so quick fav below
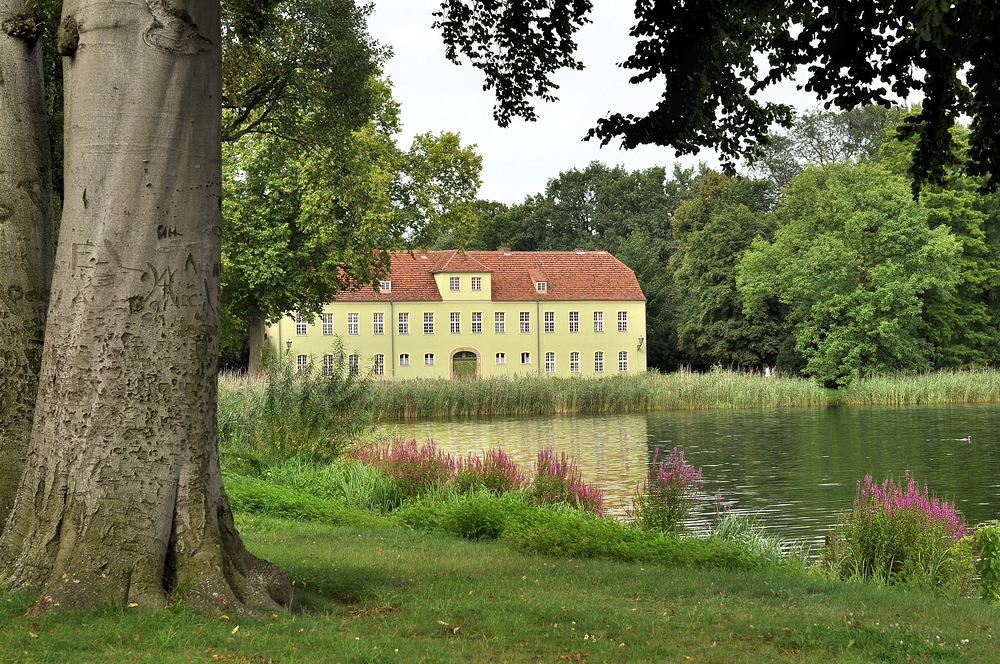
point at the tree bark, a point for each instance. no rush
(122, 498)
(26, 235)
(258, 327)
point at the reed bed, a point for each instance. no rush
(526, 396)
(956, 387)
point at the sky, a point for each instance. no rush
(435, 95)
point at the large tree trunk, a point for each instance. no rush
(26, 244)
(258, 328)
(122, 498)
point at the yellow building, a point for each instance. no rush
(442, 314)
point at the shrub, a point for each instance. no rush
(415, 469)
(559, 481)
(897, 533)
(494, 472)
(667, 495)
(988, 540)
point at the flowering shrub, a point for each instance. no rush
(414, 468)
(494, 472)
(559, 481)
(668, 493)
(895, 532)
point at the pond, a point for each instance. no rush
(797, 469)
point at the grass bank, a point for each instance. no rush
(383, 593)
(637, 393)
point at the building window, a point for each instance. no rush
(598, 321)
(300, 325)
(477, 322)
(501, 358)
(379, 365)
(498, 322)
(477, 283)
(599, 362)
(453, 283)
(352, 323)
(429, 323)
(302, 363)
(550, 363)
(385, 285)
(525, 358)
(550, 321)
(541, 286)
(574, 362)
(574, 321)
(623, 321)
(352, 364)
(623, 360)
(525, 319)
(404, 323)
(404, 360)
(327, 324)
(378, 323)
(455, 322)
(328, 365)
(429, 359)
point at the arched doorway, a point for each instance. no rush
(464, 364)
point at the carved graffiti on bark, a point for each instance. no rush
(173, 30)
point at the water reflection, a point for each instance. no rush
(796, 468)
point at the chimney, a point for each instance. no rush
(423, 252)
(506, 251)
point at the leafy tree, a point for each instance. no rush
(713, 231)
(851, 259)
(706, 55)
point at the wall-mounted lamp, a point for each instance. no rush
(640, 343)
(288, 346)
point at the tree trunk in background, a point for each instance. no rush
(26, 230)
(122, 498)
(258, 329)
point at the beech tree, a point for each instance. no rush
(121, 499)
(705, 56)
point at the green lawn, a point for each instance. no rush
(383, 593)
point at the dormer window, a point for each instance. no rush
(385, 285)
(453, 283)
(541, 286)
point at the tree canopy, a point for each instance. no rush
(710, 59)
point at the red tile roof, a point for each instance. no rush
(569, 276)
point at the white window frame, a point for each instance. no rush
(501, 358)
(623, 361)
(404, 359)
(454, 283)
(574, 362)
(404, 322)
(541, 286)
(598, 321)
(623, 321)
(549, 318)
(599, 361)
(525, 357)
(301, 363)
(477, 322)
(525, 319)
(385, 285)
(301, 327)
(352, 364)
(499, 323)
(352, 324)
(550, 362)
(429, 359)
(327, 324)
(428, 322)
(328, 365)
(378, 322)
(379, 364)
(455, 322)
(477, 283)
(574, 321)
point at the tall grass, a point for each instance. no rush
(525, 396)
(972, 386)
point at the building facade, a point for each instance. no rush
(448, 314)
